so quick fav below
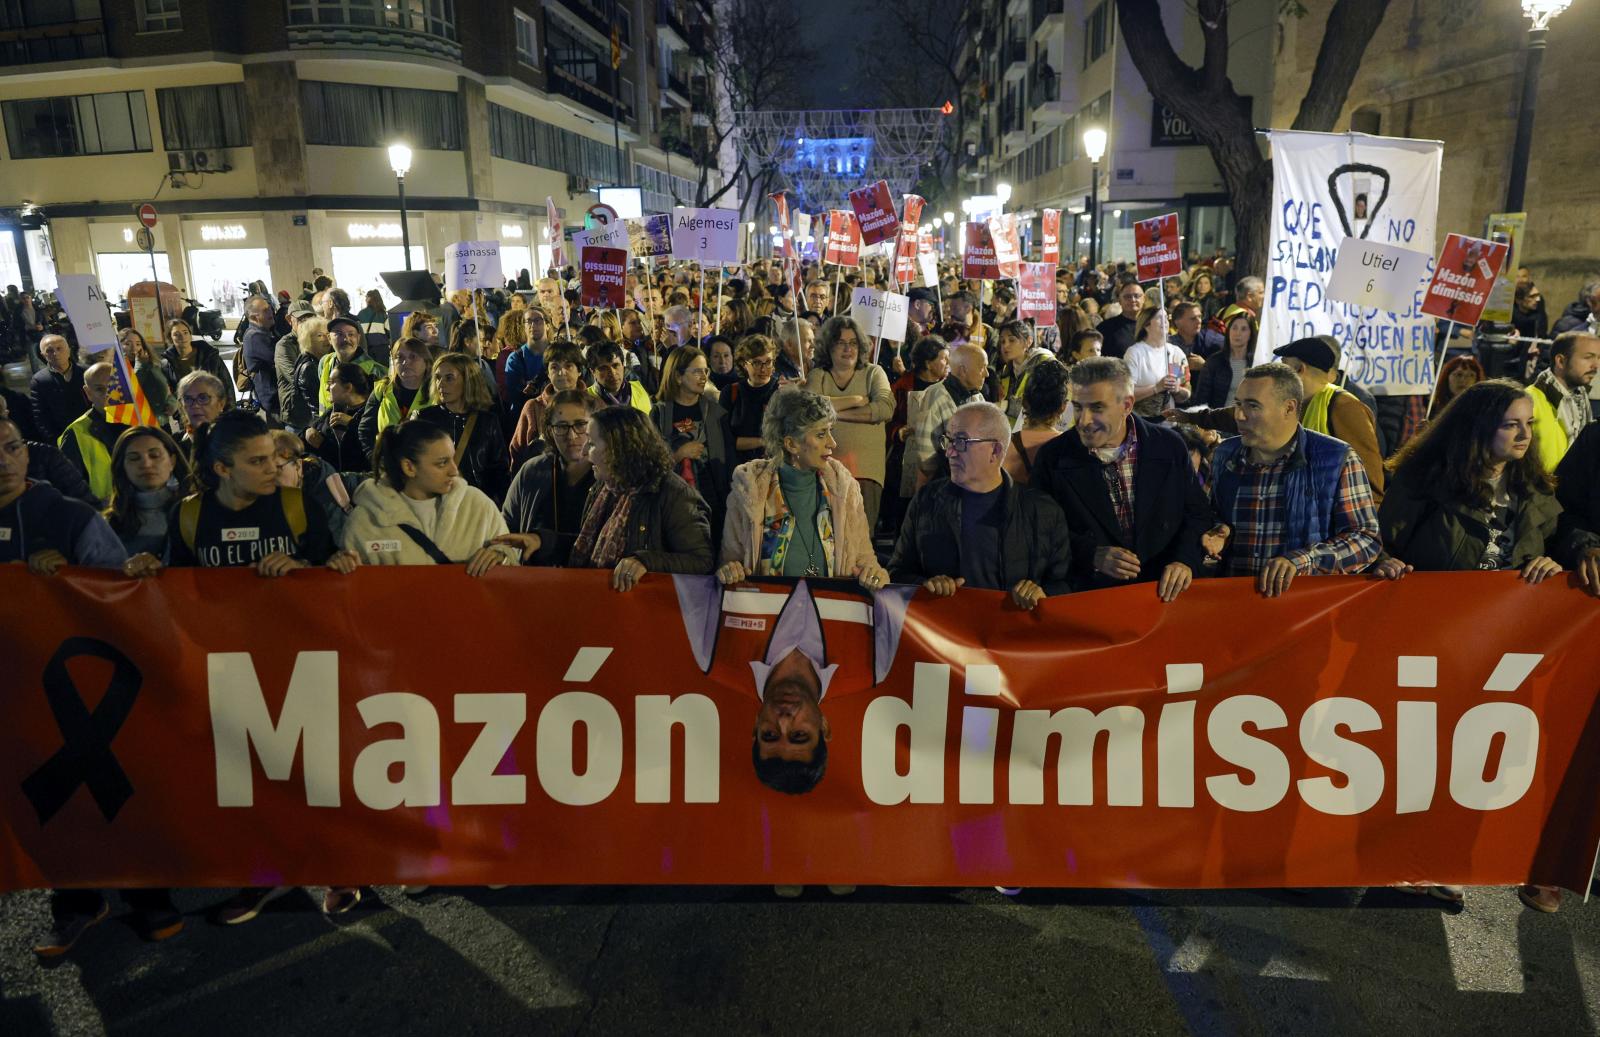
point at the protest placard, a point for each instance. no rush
(610, 235)
(708, 235)
(85, 303)
(1507, 227)
(1462, 278)
(978, 261)
(781, 202)
(604, 275)
(874, 209)
(930, 270)
(905, 265)
(471, 265)
(1377, 275)
(650, 237)
(1328, 188)
(881, 314)
(555, 236)
(1050, 236)
(1036, 292)
(844, 238)
(1007, 246)
(1156, 247)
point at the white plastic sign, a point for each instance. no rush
(881, 314)
(1377, 275)
(473, 264)
(612, 235)
(708, 235)
(85, 303)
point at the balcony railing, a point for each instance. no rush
(1016, 51)
(669, 16)
(426, 28)
(60, 41)
(1042, 9)
(571, 86)
(1043, 85)
(592, 16)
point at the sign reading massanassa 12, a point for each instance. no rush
(1327, 187)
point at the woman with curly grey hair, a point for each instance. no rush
(861, 395)
(797, 511)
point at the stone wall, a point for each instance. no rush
(1451, 70)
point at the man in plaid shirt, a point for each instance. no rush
(1297, 502)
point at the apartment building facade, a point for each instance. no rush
(259, 131)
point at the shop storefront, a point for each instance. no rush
(516, 254)
(118, 262)
(224, 256)
(363, 246)
(26, 258)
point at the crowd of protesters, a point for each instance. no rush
(749, 426)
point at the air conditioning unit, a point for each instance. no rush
(209, 161)
(577, 184)
(178, 161)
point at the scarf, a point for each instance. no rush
(604, 535)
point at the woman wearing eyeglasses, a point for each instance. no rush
(747, 399)
(544, 507)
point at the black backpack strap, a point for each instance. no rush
(429, 548)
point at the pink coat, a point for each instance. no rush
(753, 482)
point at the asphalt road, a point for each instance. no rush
(707, 960)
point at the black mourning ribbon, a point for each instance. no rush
(1372, 208)
(85, 756)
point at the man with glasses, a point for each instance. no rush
(969, 370)
(978, 528)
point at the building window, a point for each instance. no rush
(527, 39)
(522, 138)
(1097, 33)
(202, 117)
(352, 115)
(1367, 120)
(433, 17)
(159, 16)
(88, 124)
(569, 51)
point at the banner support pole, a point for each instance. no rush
(722, 270)
(1438, 362)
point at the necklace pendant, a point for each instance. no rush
(811, 570)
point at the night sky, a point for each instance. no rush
(828, 29)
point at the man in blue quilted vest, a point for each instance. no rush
(1297, 502)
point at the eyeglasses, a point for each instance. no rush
(570, 428)
(200, 401)
(945, 442)
(761, 362)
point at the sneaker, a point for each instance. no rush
(414, 891)
(159, 923)
(247, 903)
(340, 899)
(1008, 891)
(65, 931)
(841, 891)
(788, 892)
(1541, 898)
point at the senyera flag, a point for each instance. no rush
(844, 238)
(1463, 278)
(1156, 248)
(127, 404)
(874, 209)
(1344, 734)
(1050, 236)
(80, 295)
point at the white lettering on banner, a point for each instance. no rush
(407, 770)
(1329, 188)
(1494, 747)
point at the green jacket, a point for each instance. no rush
(1437, 535)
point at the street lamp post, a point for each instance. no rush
(400, 162)
(1540, 13)
(1094, 145)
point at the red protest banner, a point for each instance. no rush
(604, 277)
(874, 210)
(905, 260)
(1340, 736)
(555, 236)
(1036, 292)
(1007, 244)
(1156, 247)
(1050, 236)
(1463, 277)
(844, 238)
(782, 204)
(978, 261)
(924, 241)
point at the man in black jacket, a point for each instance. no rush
(1131, 498)
(56, 389)
(1578, 490)
(978, 528)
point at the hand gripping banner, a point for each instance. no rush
(414, 725)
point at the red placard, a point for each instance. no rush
(844, 238)
(978, 262)
(782, 203)
(147, 215)
(1007, 244)
(555, 235)
(905, 260)
(605, 272)
(1156, 244)
(1462, 278)
(1050, 236)
(1341, 735)
(874, 209)
(1036, 292)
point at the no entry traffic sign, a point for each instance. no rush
(147, 214)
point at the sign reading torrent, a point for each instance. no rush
(707, 235)
(470, 265)
(609, 235)
(1156, 247)
(881, 314)
(1377, 275)
(1463, 277)
(1036, 295)
(874, 209)
(844, 238)
(604, 277)
(1050, 237)
(650, 237)
(978, 261)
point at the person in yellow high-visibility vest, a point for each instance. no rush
(610, 379)
(87, 441)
